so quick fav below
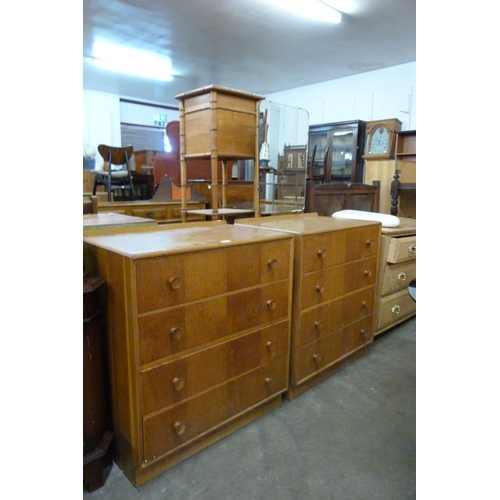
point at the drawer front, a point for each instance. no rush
(331, 249)
(172, 382)
(394, 308)
(400, 249)
(329, 349)
(397, 276)
(177, 329)
(173, 280)
(334, 315)
(328, 284)
(156, 213)
(171, 428)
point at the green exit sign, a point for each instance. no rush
(159, 119)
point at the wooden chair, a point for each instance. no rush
(118, 175)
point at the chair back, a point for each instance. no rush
(116, 156)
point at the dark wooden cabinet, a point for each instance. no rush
(97, 436)
(336, 151)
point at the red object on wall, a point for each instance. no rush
(170, 163)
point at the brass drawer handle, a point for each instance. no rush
(318, 325)
(402, 276)
(176, 333)
(320, 289)
(412, 249)
(271, 345)
(272, 304)
(178, 383)
(396, 309)
(179, 428)
(322, 253)
(175, 283)
(317, 357)
(272, 263)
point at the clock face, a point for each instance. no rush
(380, 141)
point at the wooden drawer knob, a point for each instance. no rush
(269, 381)
(175, 283)
(179, 428)
(178, 383)
(271, 304)
(369, 243)
(176, 333)
(322, 253)
(320, 289)
(317, 357)
(363, 304)
(272, 263)
(271, 345)
(318, 325)
(368, 273)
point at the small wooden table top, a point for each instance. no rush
(110, 220)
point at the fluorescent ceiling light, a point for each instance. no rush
(317, 10)
(131, 61)
(336, 15)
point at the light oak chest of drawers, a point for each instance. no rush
(335, 274)
(199, 328)
(398, 266)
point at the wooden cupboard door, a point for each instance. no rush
(398, 276)
(401, 249)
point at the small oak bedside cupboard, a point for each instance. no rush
(199, 327)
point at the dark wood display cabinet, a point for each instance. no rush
(336, 151)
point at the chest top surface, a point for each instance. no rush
(167, 241)
(307, 224)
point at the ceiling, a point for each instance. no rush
(250, 45)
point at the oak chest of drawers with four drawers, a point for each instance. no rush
(199, 329)
(335, 273)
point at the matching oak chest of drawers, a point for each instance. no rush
(335, 275)
(199, 332)
(398, 260)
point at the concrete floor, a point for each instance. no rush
(351, 437)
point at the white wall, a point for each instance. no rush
(101, 121)
(375, 95)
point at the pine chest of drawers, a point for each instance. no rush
(335, 274)
(398, 260)
(199, 330)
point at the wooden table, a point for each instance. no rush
(112, 220)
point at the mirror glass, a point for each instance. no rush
(283, 138)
